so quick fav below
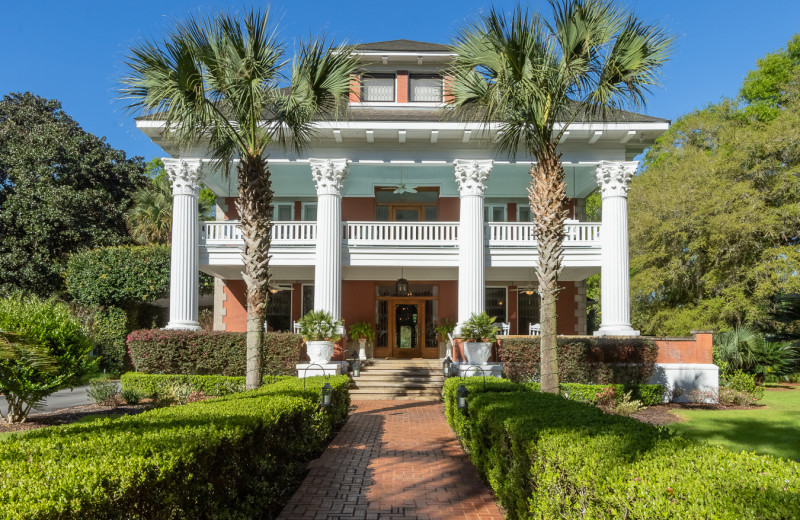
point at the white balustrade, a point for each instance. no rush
(382, 234)
(401, 233)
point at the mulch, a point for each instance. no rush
(70, 415)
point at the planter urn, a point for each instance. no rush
(362, 348)
(319, 352)
(477, 352)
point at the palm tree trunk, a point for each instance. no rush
(255, 213)
(547, 196)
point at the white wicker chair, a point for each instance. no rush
(535, 329)
(505, 328)
(296, 327)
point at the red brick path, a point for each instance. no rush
(393, 460)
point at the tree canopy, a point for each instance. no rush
(715, 215)
(62, 190)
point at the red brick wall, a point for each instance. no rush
(565, 309)
(231, 214)
(449, 209)
(355, 88)
(448, 83)
(695, 350)
(570, 207)
(358, 208)
(235, 305)
(402, 86)
(511, 211)
(358, 301)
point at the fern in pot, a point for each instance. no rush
(363, 332)
(479, 333)
(320, 331)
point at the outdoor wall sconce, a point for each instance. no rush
(326, 399)
(401, 286)
(446, 367)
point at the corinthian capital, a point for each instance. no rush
(471, 176)
(328, 175)
(184, 174)
(614, 177)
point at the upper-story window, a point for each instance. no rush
(425, 88)
(494, 213)
(377, 87)
(524, 213)
(283, 211)
(309, 212)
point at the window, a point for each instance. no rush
(527, 311)
(425, 88)
(279, 311)
(407, 207)
(283, 211)
(524, 213)
(310, 211)
(496, 303)
(377, 87)
(308, 299)
(494, 213)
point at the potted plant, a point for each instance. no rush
(479, 332)
(320, 331)
(445, 328)
(363, 332)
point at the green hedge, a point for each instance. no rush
(649, 395)
(548, 457)
(149, 385)
(235, 457)
(158, 351)
(586, 360)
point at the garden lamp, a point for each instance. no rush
(327, 395)
(356, 367)
(446, 366)
(461, 397)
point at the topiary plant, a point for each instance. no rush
(479, 328)
(362, 329)
(320, 326)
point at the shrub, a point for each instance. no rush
(157, 351)
(627, 406)
(47, 329)
(747, 350)
(132, 395)
(585, 360)
(104, 393)
(149, 385)
(235, 457)
(479, 328)
(109, 329)
(320, 326)
(744, 383)
(548, 457)
(649, 395)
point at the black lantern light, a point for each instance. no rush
(327, 395)
(326, 399)
(401, 286)
(461, 397)
(447, 366)
(356, 365)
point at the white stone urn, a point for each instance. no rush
(477, 353)
(362, 348)
(319, 352)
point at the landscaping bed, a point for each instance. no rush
(550, 457)
(71, 415)
(236, 456)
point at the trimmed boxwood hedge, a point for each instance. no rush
(586, 360)
(234, 457)
(649, 395)
(159, 351)
(149, 385)
(548, 457)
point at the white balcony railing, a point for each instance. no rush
(406, 234)
(523, 234)
(415, 234)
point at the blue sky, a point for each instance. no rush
(73, 50)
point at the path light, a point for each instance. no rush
(327, 390)
(461, 397)
(446, 367)
(327, 395)
(356, 365)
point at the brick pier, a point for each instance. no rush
(393, 460)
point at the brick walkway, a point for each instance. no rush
(393, 460)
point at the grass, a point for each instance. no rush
(772, 429)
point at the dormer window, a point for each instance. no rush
(425, 88)
(377, 87)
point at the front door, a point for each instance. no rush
(407, 213)
(407, 317)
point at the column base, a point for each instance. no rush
(616, 330)
(183, 325)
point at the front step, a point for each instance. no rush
(399, 379)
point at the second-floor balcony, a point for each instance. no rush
(377, 243)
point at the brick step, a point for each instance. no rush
(406, 362)
(370, 372)
(375, 393)
(376, 383)
(399, 379)
(385, 397)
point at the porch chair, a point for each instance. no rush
(296, 327)
(535, 329)
(505, 328)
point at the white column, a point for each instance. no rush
(184, 277)
(614, 177)
(471, 177)
(328, 175)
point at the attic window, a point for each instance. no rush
(377, 87)
(425, 88)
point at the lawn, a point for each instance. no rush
(772, 429)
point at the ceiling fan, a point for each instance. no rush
(402, 189)
(274, 289)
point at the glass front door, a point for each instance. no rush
(408, 334)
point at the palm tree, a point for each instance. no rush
(533, 77)
(215, 81)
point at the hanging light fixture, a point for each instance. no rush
(401, 286)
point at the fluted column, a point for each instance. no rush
(183, 278)
(328, 175)
(614, 177)
(471, 177)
